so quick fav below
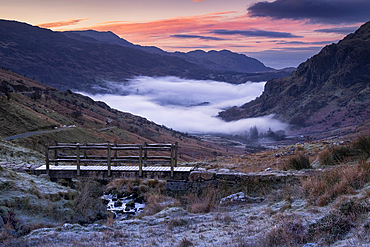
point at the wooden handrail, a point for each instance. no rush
(81, 155)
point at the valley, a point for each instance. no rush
(285, 163)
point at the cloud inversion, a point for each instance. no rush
(187, 105)
(317, 11)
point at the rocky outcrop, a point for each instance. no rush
(22, 167)
(329, 90)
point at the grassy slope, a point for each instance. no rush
(35, 106)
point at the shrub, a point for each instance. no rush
(203, 202)
(176, 223)
(337, 155)
(156, 203)
(330, 228)
(363, 144)
(297, 163)
(87, 205)
(287, 233)
(185, 243)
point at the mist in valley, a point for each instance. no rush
(185, 105)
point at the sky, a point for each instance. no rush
(280, 33)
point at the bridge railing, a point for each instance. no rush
(113, 154)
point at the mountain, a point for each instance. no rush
(213, 60)
(328, 91)
(109, 37)
(224, 61)
(28, 106)
(66, 63)
(82, 60)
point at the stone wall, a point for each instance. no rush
(254, 181)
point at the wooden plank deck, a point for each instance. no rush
(153, 172)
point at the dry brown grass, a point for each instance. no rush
(338, 222)
(328, 185)
(156, 203)
(287, 233)
(205, 201)
(297, 162)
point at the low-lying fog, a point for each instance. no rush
(187, 105)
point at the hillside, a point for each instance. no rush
(331, 90)
(27, 105)
(72, 61)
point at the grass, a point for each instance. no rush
(363, 144)
(337, 155)
(29, 203)
(323, 188)
(298, 162)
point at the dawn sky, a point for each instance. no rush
(280, 33)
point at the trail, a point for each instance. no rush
(27, 134)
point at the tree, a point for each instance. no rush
(253, 133)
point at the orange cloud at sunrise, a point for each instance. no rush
(269, 30)
(62, 23)
(217, 31)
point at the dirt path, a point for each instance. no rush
(27, 134)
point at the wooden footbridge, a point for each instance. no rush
(109, 159)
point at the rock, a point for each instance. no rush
(173, 212)
(310, 245)
(226, 176)
(224, 170)
(45, 176)
(241, 197)
(177, 185)
(74, 227)
(207, 175)
(194, 175)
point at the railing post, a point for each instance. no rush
(85, 150)
(140, 160)
(108, 161)
(47, 159)
(176, 148)
(172, 160)
(78, 159)
(115, 152)
(145, 153)
(56, 153)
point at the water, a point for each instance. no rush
(124, 207)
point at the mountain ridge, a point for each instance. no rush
(223, 60)
(81, 62)
(328, 91)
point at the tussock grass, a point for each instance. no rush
(338, 222)
(363, 144)
(328, 185)
(176, 223)
(298, 162)
(337, 155)
(156, 203)
(185, 243)
(203, 202)
(287, 233)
